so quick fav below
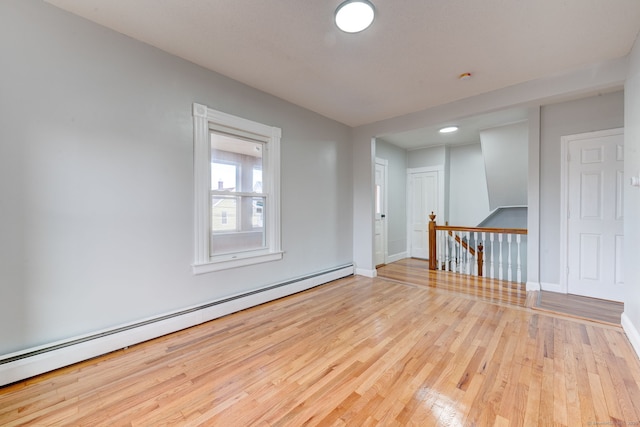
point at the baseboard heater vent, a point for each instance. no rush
(250, 299)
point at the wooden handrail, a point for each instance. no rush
(481, 229)
(433, 228)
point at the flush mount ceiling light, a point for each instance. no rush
(449, 129)
(353, 16)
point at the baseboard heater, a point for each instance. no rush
(28, 363)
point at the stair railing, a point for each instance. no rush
(462, 250)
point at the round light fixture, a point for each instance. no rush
(353, 16)
(449, 129)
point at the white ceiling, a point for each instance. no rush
(409, 60)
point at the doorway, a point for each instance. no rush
(592, 214)
(380, 226)
(426, 195)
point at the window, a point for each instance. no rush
(237, 183)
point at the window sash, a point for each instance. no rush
(206, 120)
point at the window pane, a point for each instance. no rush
(223, 176)
(257, 219)
(237, 223)
(224, 214)
(236, 164)
(257, 179)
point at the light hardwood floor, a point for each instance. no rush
(357, 351)
(583, 307)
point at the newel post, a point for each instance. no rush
(480, 259)
(432, 242)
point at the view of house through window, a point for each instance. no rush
(237, 199)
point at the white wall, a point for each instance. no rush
(556, 120)
(631, 316)
(468, 197)
(505, 151)
(396, 215)
(96, 180)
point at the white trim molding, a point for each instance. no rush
(533, 286)
(204, 120)
(37, 360)
(365, 272)
(397, 257)
(632, 333)
(552, 287)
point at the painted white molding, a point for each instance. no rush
(552, 287)
(204, 120)
(533, 286)
(632, 332)
(397, 257)
(38, 360)
(365, 272)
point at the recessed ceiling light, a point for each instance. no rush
(353, 16)
(449, 129)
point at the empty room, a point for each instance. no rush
(244, 213)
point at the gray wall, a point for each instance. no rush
(432, 156)
(505, 151)
(632, 194)
(96, 180)
(468, 198)
(556, 120)
(396, 196)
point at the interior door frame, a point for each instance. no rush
(441, 194)
(385, 208)
(564, 198)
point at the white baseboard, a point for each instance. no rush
(396, 257)
(632, 332)
(533, 286)
(34, 361)
(552, 287)
(366, 273)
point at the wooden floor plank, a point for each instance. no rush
(357, 351)
(581, 307)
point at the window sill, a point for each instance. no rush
(240, 261)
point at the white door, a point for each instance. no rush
(380, 229)
(595, 214)
(423, 199)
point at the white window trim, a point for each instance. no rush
(204, 119)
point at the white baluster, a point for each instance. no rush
(509, 272)
(445, 236)
(454, 255)
(519, 266)
(439, 249)
(446, 251)
(475, 260)
(500, 273)
(484, 249)
(492, 273)
(468, 252)
(456, 251)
